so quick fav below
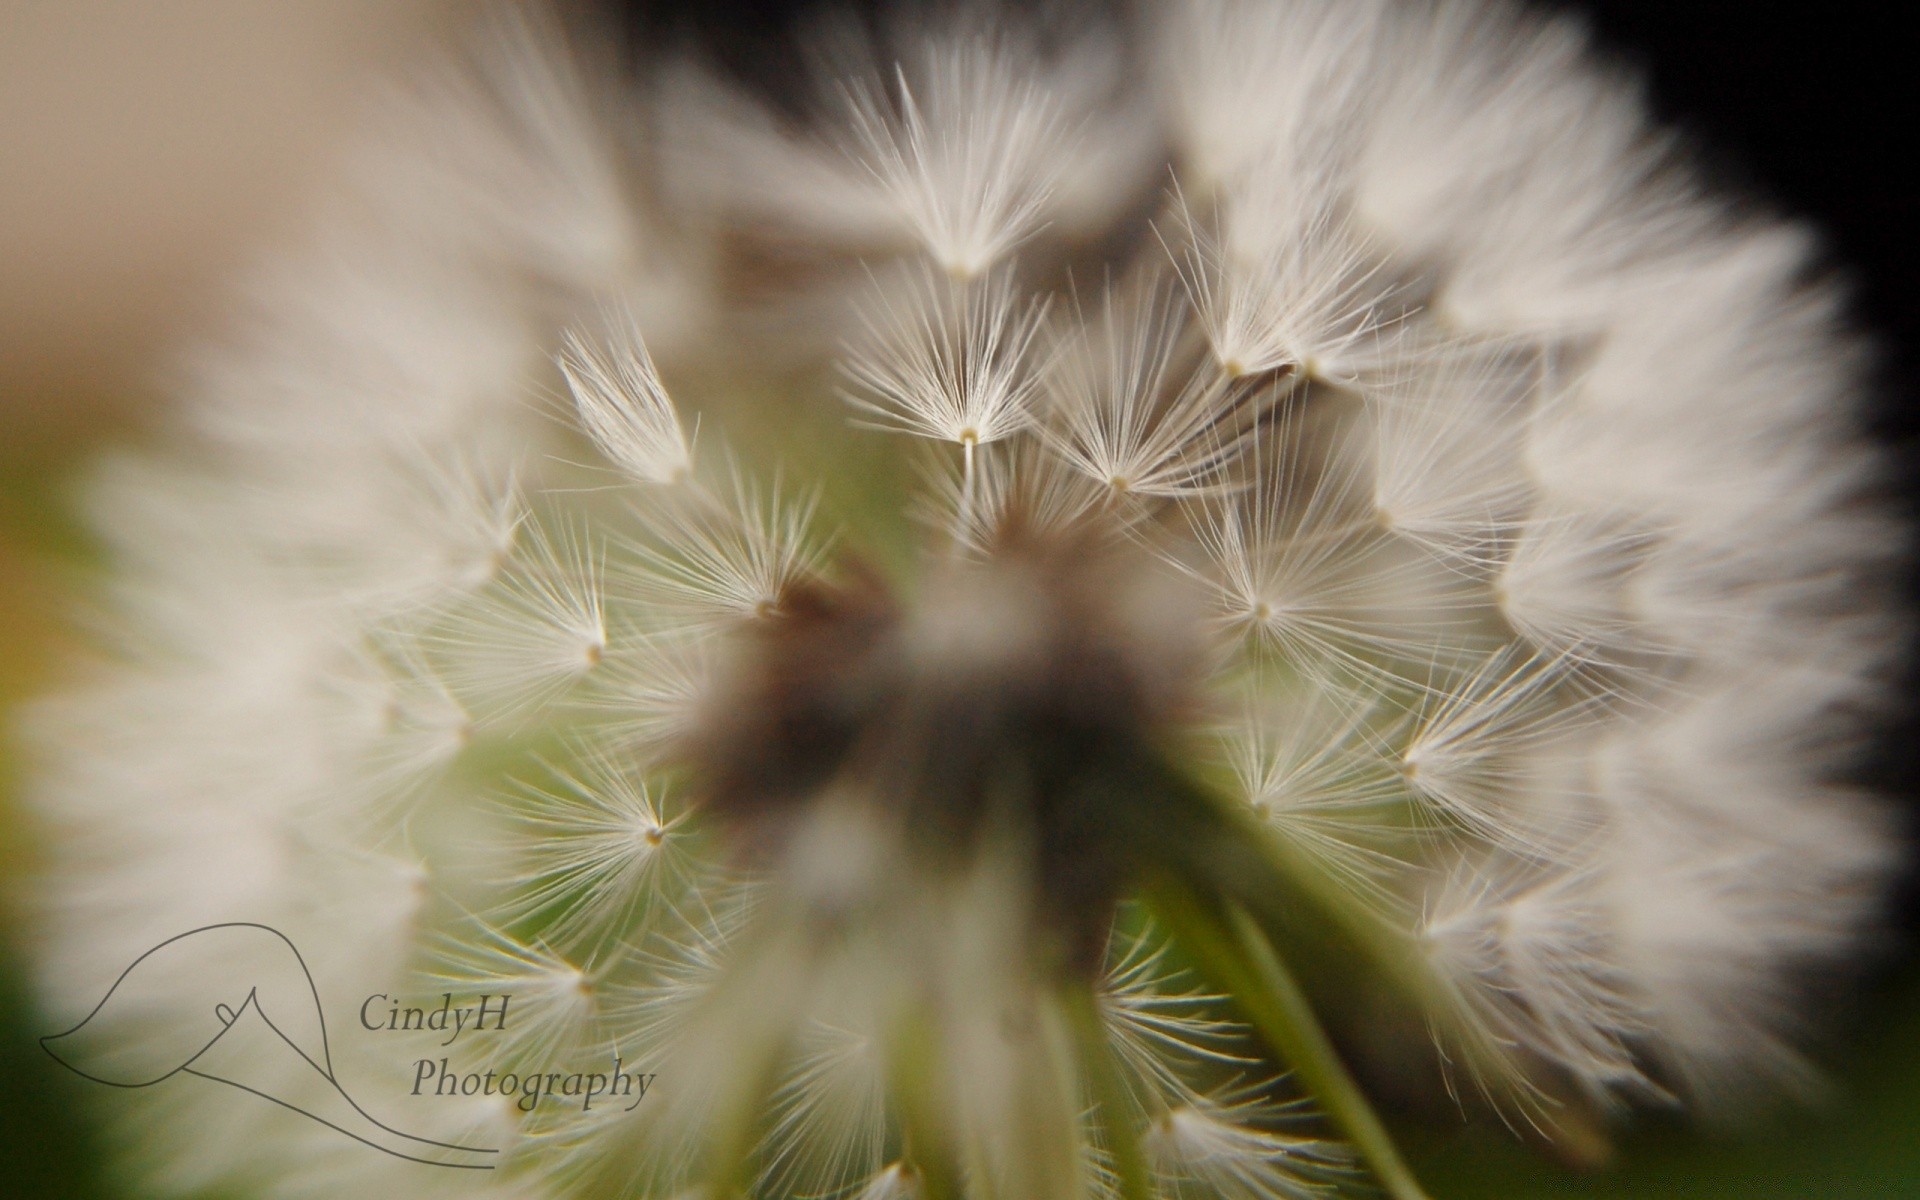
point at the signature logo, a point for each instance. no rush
(234, 1003)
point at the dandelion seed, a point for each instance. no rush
(894, 1182)
(1280, 289)
(1235, 112)
(645, 696)
(533, 636)
(1446, 453)
(1120, 414)
(830, 1118)
(1532, 956)
(950, 361)
(1162, 1033)
(421, 725)
(1465, 740)
(1564, 585)
(1028, 490)
(1228, 1147)
(721, 560)
(1318, 775)
(602, 853)
(1297, 562)
(552, 1001)
(623, 405)
(967, 153)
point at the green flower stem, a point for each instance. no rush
(1082, 1009)
(1185, 831)
(1231, 948)
(758, 1053)
(737, 1130)
(915, 1077)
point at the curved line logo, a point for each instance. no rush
(262, 1031)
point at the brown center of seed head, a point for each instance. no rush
(1020, 692)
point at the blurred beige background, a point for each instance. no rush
(145, 146)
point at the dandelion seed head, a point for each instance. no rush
(1347, 422)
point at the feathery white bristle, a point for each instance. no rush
(1162, 1026)
(601, 852)
(1319, 774)
(949, 360)
(1129, 410)
(829, 1119)
(1564, 584)
(1235, 111)
(1297, 563)
(645, 696)
(1466, 737)
(623, 404)
(894, 1181)
(719, 559)
(1446, 446)
(421, 726)
(966, 148)
(510, 151)
(1281, 281)
(552, 1005)
(1235, 1147)
(533, 635)
(1026, 487)
(1533, 960)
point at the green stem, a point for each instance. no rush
(732, 1145)
(1218, 851)
(1231, 948)
(1082, 1009)
(759, 1050)
(916, 1072)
